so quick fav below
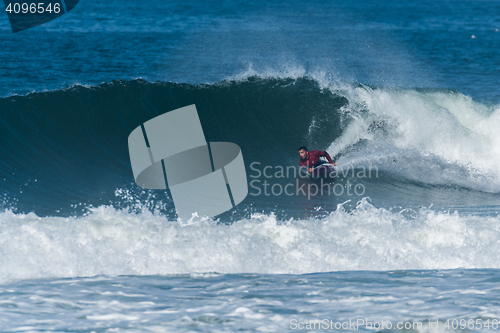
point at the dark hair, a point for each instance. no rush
(303, 148)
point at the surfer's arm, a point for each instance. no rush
(328, 158)
(305, 166)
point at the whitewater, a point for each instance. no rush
(114, 242)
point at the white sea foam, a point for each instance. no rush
(114, 242)
(436, 137)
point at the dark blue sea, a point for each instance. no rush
(404, 95)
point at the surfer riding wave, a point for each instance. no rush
(312, 159)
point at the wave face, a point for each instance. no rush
(114, 242)
(67, 149)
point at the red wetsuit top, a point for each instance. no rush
(313, 159)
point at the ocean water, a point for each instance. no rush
(403, 95)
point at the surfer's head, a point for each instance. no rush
(303, 152)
